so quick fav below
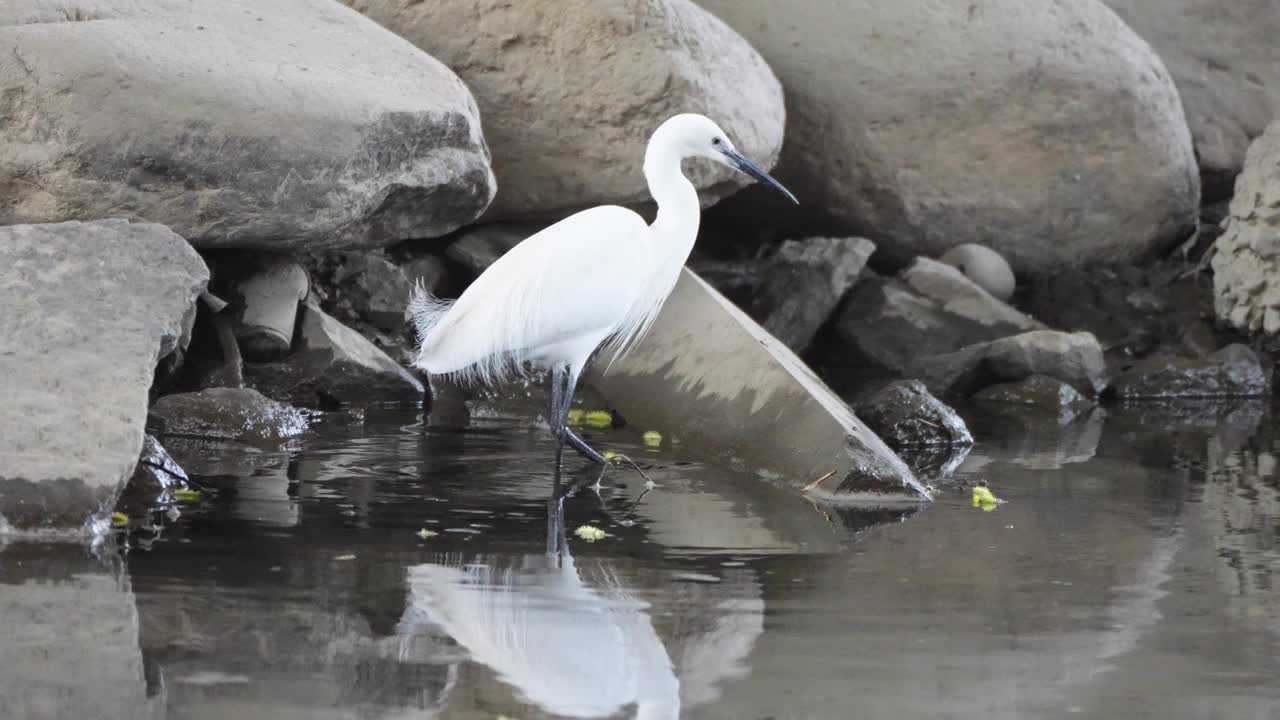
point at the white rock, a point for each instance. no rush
(984, 266)
(1246, 265)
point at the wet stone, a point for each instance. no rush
(1233, 371)
(1040, 392)
(904, 414)
(156, 470)
(234, 414)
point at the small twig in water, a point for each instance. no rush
(818, 482)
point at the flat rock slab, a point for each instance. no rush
(89, 308)
(709, 376)
(290, 124)
(334, 365)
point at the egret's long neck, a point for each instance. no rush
(676, 225)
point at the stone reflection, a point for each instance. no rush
(1240, 500)
(1035, 441)
(69, 636)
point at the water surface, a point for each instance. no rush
(1130, 574)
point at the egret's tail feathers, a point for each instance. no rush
(426, 310)
(445, 350)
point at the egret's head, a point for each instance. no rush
(697, 136)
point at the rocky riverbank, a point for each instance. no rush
(211, 217)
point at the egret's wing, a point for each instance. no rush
(577, 278)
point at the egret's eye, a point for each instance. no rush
(715, 141)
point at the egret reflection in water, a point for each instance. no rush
(568, 636)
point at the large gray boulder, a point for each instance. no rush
(571, 90)
(1246, 265)
(89, 308)
(1226, 62)
(289, 124)
(709, 376)
(931, 124)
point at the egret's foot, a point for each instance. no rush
(620, 459)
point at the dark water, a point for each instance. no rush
(1131, 574)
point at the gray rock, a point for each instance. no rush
(944, 123)
(1233, 371)
(290, 124)
(1074, 358)
(1246, 266)
(377, 289)
(569, 93)
(801, 284)
(478, 247)
(904, 414)
(234, 414)
(929, 309)
(1226, 63)
(334, 365)
(985, 267)
(1037, 391)
(715, 381)
(267, 296)
(89, 308)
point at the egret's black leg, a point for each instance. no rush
(583, 448)
(559, 414)
(563, 383)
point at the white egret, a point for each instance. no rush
(598, 277)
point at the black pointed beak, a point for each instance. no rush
(738, 162)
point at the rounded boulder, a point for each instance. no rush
(1043, 129)
(570, 91)
(289, 125)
